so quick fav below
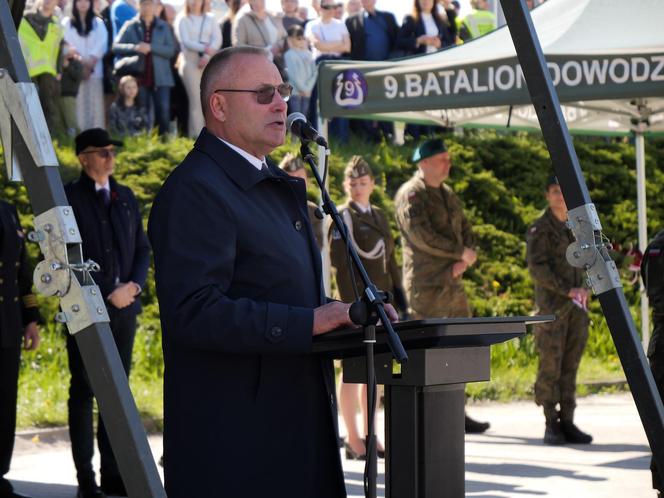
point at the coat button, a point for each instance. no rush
(1, 299)
(298, 225)
(276, 332)
(17, 263)
(2, 280)
(16, 299)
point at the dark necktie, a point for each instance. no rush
(105, 196)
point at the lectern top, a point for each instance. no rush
(431, 333)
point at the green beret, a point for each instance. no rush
(429, 148)
(357, 167)
(291, 163)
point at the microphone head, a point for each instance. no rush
(295, 116)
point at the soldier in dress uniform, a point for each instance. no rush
(18, 324)
(369, 230)
(558, 290)
(294, 166)
(652, 272)
(438, 242)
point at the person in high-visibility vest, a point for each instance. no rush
(41, 38)
(478, 22)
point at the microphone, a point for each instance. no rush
(299, 126)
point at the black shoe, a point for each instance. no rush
(475, 427)
(553, 434)
(90, 492)
(575, 435)
(351, 454)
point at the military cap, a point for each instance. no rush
(291, 163)
(357, 167)
(429, 148)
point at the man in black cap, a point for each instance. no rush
(438, 242)
(109, 219)
(559, 290)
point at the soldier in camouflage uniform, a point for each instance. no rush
(294, 166)
(652, 272)
(558, 290)
(438, 241)
(369, 230)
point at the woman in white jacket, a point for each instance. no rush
(86, 32)
(200, 38)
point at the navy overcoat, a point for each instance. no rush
(248, 411)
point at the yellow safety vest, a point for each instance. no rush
(478, 22)
(41, 56)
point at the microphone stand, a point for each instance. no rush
(365, 312)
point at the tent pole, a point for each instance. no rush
(639, 146)
(325, 250)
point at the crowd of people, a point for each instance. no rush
(86, 56)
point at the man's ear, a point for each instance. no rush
(218, 106)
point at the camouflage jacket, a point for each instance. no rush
(316, 224)
(652, 272)
(434, 232)
(548, 239)
(371, 232)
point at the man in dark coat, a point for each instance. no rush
(18, 324)
(373, 34)
(248, 410)
(652, 272)
(110, 223)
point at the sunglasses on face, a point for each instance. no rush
(265, 93)
(103, 153)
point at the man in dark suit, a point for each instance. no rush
(248, 410)
(373, 34)
(18, 324)
(110, 223)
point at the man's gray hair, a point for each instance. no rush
(219, 63)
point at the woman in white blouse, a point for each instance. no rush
(87, 33)
(200, 38)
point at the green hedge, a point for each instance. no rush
(500, 179)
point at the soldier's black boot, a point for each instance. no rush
(573, 434)
(475, 427)
(553, 433)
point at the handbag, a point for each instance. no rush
(132, 65)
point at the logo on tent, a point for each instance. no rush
(349, 89)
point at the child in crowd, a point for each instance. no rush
(127, 117)
(301, 69)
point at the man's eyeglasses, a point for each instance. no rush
(103, 153)
(265, 93)
(330, 6)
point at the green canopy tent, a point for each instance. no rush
(606, 60)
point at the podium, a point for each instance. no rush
(425, 397)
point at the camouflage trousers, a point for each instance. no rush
(449, 301)
(656, 357)
(560, 346)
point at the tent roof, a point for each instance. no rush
(592, 51)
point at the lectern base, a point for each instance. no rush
(424, 433)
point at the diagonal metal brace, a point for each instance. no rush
(19, 102)
(589, 251)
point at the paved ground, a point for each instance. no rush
(508, 461)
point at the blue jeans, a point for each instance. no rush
(298, 103)
(157, 101)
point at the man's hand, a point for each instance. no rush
(143, 48)
(579, 296)
(391, 313)
(331, 316)
(469, 256)
(124, 295)
(31, 337)
(458, 269)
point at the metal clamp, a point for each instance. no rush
(81, 302)
(589, 251)
(20, 102)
